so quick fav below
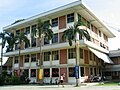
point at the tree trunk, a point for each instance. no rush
(77, 80)
(40, 54)
(1, 57)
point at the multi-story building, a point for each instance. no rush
(58, 56)
(112, 71)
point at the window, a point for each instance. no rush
(82, 71)
(95, 72)
(92, 27)
(26, 72)
(55, 55)
(81, 53)
(27, 58)
(34, 27)
(71, 72)
(16, 60)
(90, 54)
(88, 24)
(54, 22)
(16, 46)
(55, 72)
(46, 72)
(33, 57)
(71, 53)
(46, 56)
(33, 41)
(46, 23)
(17, 32)
(33, 72)
(99, 71)
(99, 33)
(91, 71)
(70, 18)
(46, 41)
(55, 38)
(27, 30)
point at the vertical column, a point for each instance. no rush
(29, 73)
(30, 36)
(53, 32)
(14, 32)
(13, 66)
(51, 65)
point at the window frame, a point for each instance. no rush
(47, 56)
(81, 53)
(46, 41)
(55, 38)
(55, 55)
(33, 58)
(46, 72)
(55, 22)
(71, 53)
(71, 71)
(82, 71)
(33, 71)
(70, 17)
(26, 60)
(16, 60)
(56, 72)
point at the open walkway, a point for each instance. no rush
(55, 87)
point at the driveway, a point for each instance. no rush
(55, 87)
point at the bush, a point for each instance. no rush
(2, 80)
(15, 80)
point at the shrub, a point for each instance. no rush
(2, 80)
(15, 80)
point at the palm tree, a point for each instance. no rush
(3, 42)
(43, 31)
(71, 35)
(10, 41)
(19, 39)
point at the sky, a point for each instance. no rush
(107, 10)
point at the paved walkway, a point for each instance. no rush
(55, 87)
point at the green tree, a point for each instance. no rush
(19, 39)
(71, 35)
(10, 41)
(3, 42)
(43, 31)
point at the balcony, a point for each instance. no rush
(82, 43)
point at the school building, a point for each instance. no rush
(58, 56)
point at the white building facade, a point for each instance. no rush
(58, 56)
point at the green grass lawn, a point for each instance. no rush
(108, 84)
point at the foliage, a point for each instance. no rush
(14, 80)
(2, 80)
(108, 83)
(43, 30)
(10, 40)
(18, 21)
(19, 38)
(71, 32)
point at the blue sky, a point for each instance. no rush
(107, 10)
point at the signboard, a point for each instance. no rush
(76, 72)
